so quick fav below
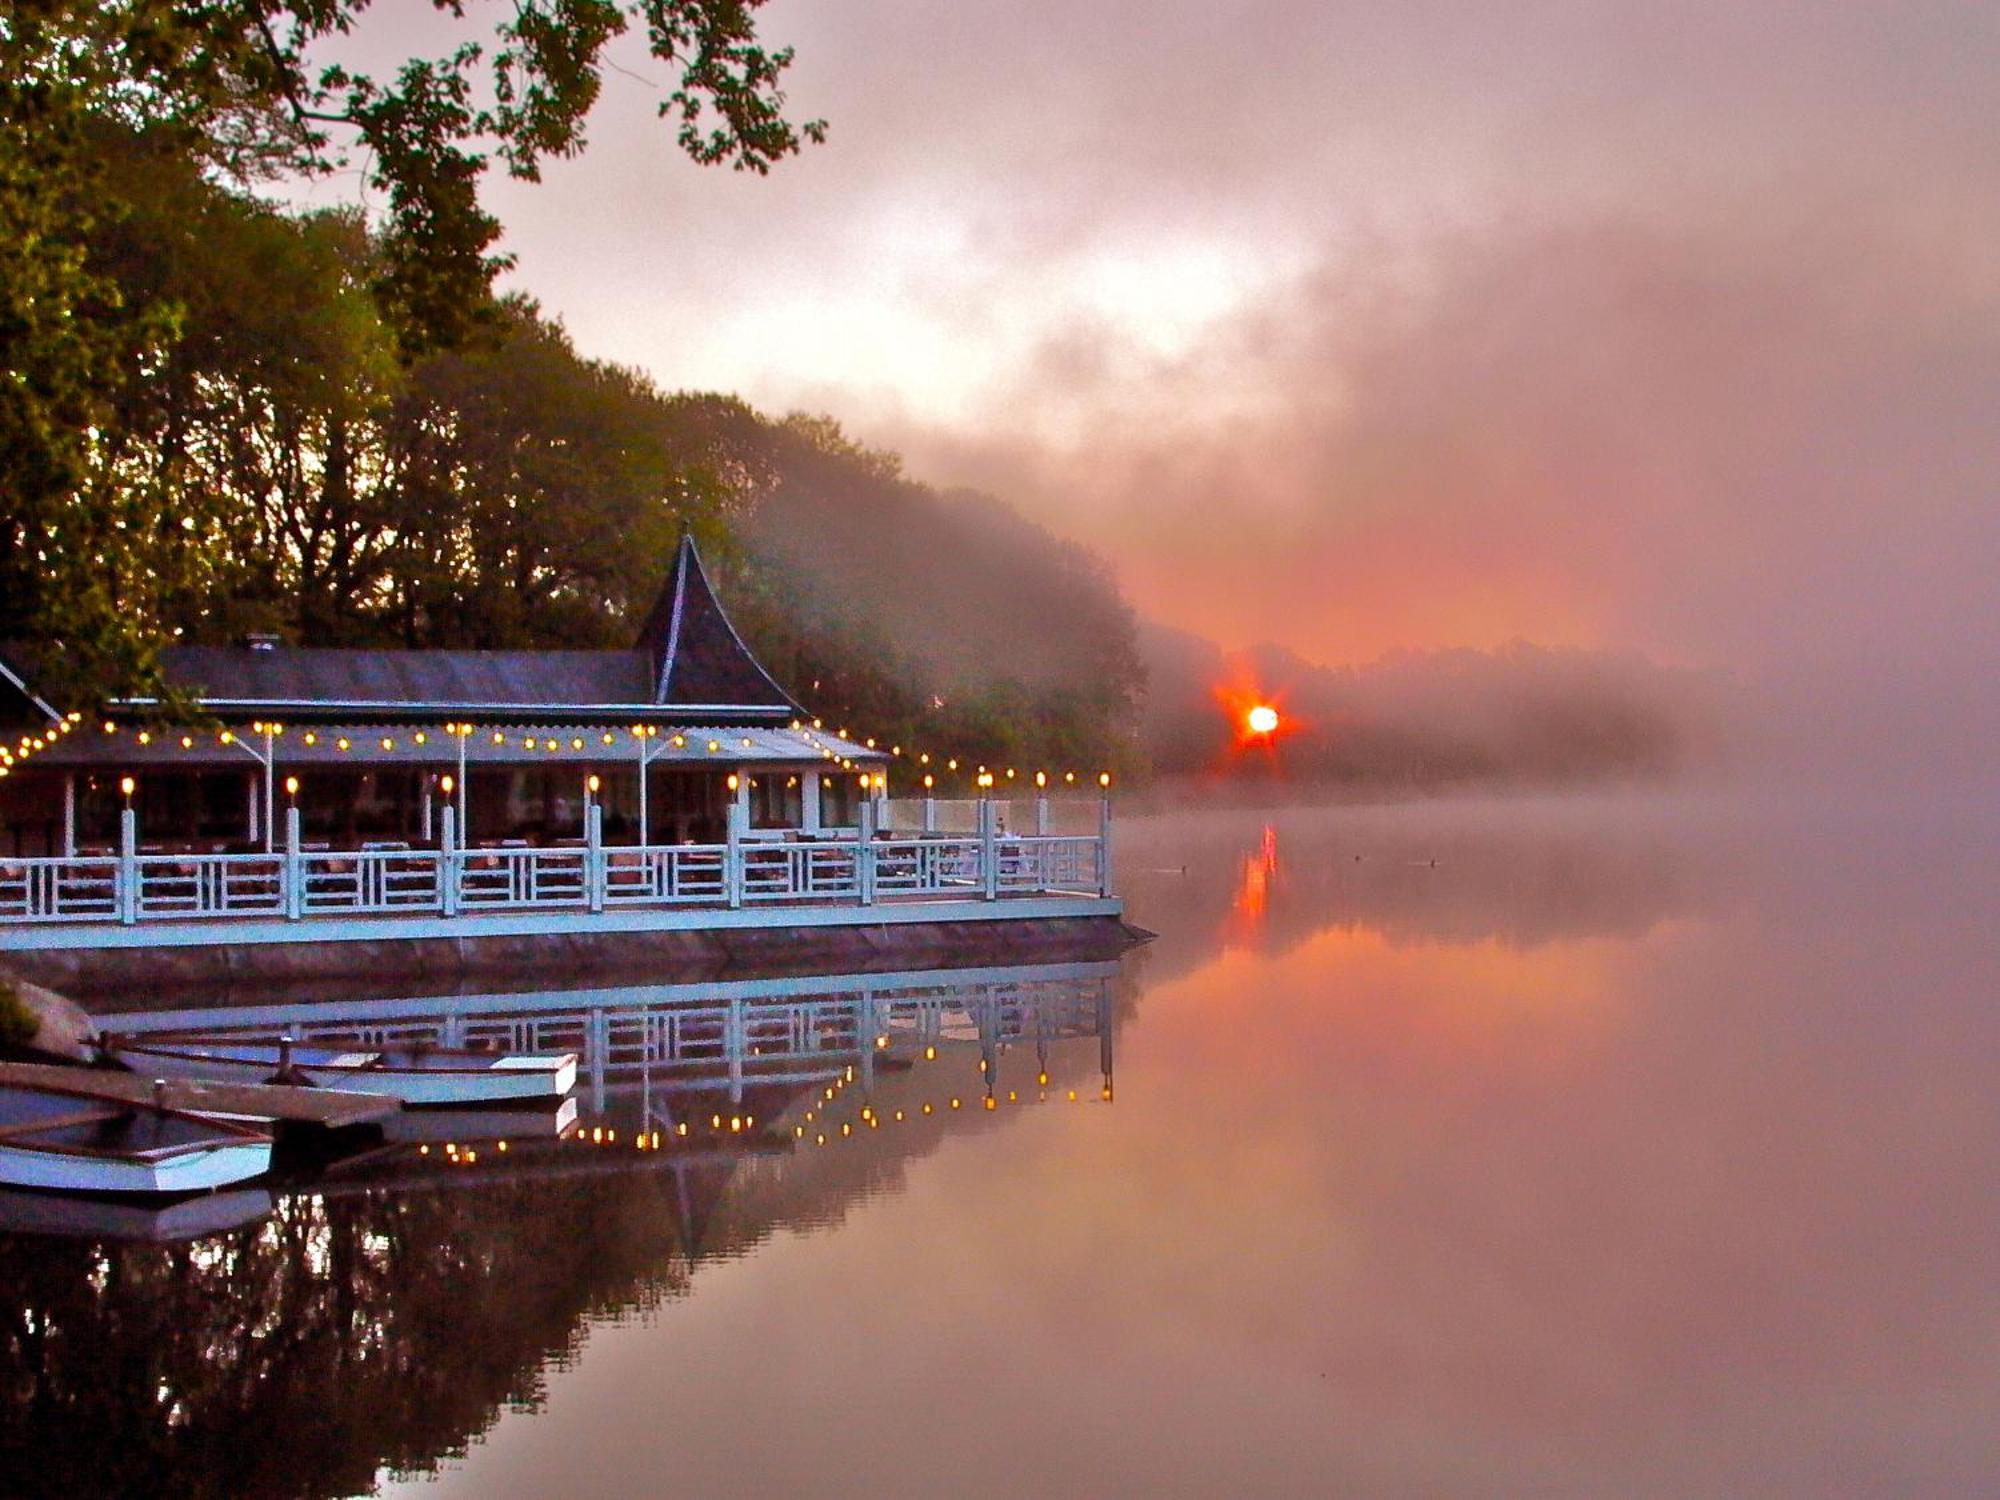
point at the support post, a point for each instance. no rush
(69, 815)
(448, 862)
(1041, 817)
(865, 1021)
(864, 855)
(732, 857)
(128, 866)
(930, 813)
(1104, 846)
(463, 791)
(645, 775)
(270, 792)
(735, 1042)
(293, 871)
(593, 833)
(809, 813)
(989, 847)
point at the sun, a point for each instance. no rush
(1262, 719)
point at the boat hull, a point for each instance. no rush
(189, 1169)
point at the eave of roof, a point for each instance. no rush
(575, 743)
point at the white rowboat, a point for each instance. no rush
(55, 1140)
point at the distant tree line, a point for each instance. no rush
(283, 463)
(99, 286)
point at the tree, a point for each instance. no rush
(237, 88)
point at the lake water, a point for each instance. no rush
(1560, 1148)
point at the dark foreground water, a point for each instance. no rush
(1556, 1149)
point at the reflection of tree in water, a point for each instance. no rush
(386, 1318)
(387, 1327)
(294, 1356)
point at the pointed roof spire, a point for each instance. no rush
(699, 661)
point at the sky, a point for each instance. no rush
(1366, 327)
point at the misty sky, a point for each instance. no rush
(1358, 327)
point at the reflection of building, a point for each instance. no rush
(385, 1317)
(725, 1038)
(464, 790)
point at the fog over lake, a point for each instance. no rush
(1639, 1148)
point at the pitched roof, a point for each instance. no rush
(699, 660)
(296, 678)
(689, 663)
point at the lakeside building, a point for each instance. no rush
(372, 745)
(469, 787)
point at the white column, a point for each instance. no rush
(128, 866)
(732, 856)
(1104, 847)
(989, 847)
(294, 876)
(645, 775)
(448, 862)
(864, 855)
(593, 833)
(69, 815)
(809, 816)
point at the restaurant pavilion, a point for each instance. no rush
(371, 747)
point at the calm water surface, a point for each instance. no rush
(1556, 1149)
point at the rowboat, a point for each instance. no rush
(56, 1139)
(418, 1076)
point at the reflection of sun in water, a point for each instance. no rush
(1253, 885)
(1262, 719)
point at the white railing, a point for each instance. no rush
(802, 872)
(1050, 864)
(678, 875)
(370, 880)
(489, 878)
(927, 867)
(59, 890)
(297, 885)
(209, 885)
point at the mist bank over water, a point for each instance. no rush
(1525, 872)
(1417, 722)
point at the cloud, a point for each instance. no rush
(1364, 326)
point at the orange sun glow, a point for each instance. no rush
(1262, 719)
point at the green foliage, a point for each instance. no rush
(19, 1025)
(107, 523)
(283, 464)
